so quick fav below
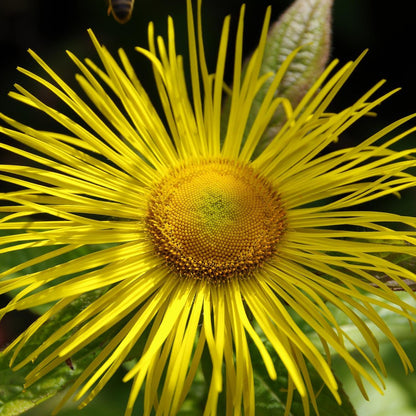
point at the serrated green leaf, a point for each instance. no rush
(270, 396)
(110, 402)
(14, 398)
(23, 255)
(305, 24)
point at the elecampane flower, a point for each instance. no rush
(204, 243)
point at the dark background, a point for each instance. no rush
(386, 28)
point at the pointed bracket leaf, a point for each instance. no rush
(305, 24)
(14, 398)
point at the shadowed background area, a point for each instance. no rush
(40, 25)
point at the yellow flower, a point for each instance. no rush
(204, 244)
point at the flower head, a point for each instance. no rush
(203, 242)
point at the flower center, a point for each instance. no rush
(215, 220)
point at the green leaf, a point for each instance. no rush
(14, 398)
(399, 325)
(110, 402)
(305, 24)
(23, 255)
(399, 397)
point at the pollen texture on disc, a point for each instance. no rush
(215, 220)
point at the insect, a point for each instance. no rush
(68, 362)
(121, 9)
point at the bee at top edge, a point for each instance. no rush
(120, 9)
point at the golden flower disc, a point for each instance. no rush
(215, 220)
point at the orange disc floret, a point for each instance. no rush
(215, 219)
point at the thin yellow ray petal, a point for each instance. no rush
(90, 280)
(278, 340)
(92, 322)
(194, 364)
(295, 336)
(235, 297)
(334, 298)
(178, 298)
(18, 343)
(196, 87)
(311, 314)
(187, 349)
(128, 337)
(157, 366)
(137, 104)
(180, 353)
